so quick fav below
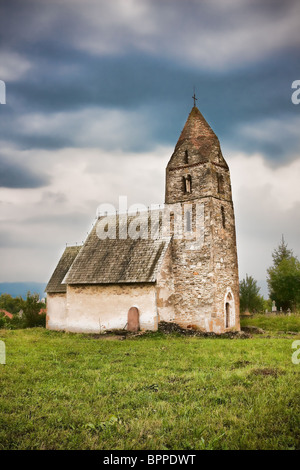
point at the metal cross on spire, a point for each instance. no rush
(194, 98)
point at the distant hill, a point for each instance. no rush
(21, 288)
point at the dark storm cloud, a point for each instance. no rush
(64, 22)
(68, 73)
(162, 93)
(14, 175)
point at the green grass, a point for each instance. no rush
(278, 322)
(68, 391)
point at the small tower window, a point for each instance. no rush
(220, 183)
(188, 222)
(172, 223)
(186, 156)
(187, 184)
(223, 216)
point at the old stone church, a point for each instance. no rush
(179, 266)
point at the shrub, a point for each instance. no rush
(31, 311)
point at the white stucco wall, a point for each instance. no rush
(56, 311)
(96, 308)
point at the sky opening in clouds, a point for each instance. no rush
(97, 93)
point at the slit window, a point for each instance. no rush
(223, 217)
(187, 184)
(186, 156)
(220, 184)
(172, 223)
(188, 222)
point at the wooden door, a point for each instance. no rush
(133, 321)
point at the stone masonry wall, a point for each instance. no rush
(205, 270)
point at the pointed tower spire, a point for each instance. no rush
(196, 154)
(197, 136)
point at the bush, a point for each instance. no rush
(250, 300)
(2, 321)
(31, 316)
(31, 311)
(284, 278)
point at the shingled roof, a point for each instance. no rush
(64, 264)
(117, 261)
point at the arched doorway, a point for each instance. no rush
(229, 309)
(227, 313)
(133, 319)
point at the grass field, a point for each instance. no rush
(68, 391)
(279, 323)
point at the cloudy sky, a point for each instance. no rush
(97, 93)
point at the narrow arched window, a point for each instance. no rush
(223, 216)
(186, 156)
(187, 184)
(220, 183)
(188, 221)
(227, 315)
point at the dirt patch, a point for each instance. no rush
(240, 364)
(267, 371)
(168, 328)
(108, 337)
(253, 329)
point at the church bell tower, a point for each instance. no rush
(204, 255)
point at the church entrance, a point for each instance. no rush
(229, 308)
(227, 322)
(133, 320)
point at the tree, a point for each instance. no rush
(11, 304)
(250, 300)
(281, 253)
(31, 311)
(284, 278)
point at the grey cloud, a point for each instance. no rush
(50, 197)
(15, 175)
(214, 35)
(72, 219)
(43, 232)
(260, 224)
(158, 93)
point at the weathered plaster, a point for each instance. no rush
(96, 308)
